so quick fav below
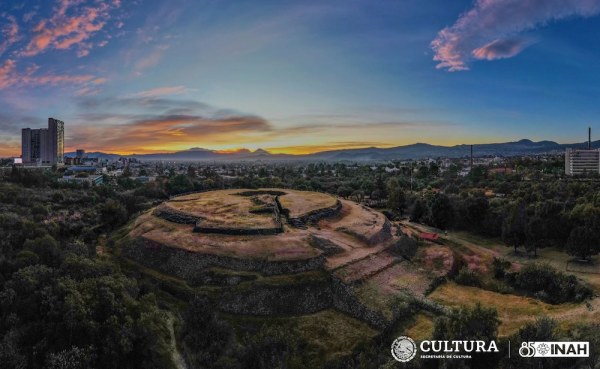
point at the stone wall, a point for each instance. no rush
(166, 212)
(249, 298)
(238, 231)
(383, 234)
(190, 265)
(277, 300)
(299, 300)
(318, 214)
(312, 216)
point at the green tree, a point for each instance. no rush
(113, 214)
(396, 198)
(535, 234)
(543, 329)
(204, 337)
(442, 212)
(514, 227)
(179, 184)
(419, 211)
(583, 242)
(466, 324)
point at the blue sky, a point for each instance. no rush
(298, 76)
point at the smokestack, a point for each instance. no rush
(589, 138)
(471, 157)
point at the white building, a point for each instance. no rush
(580, 161)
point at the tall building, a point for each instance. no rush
(582, 161)
(44, 145)
(56, 141)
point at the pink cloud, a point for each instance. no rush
(489, 30)
(501, 49)
(9, 33)
(70, 25)
(6, 73)
(151, 59)
(10, 76)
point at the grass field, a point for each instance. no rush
(300, 203)
(515, 311)
(420, 328)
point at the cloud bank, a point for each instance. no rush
(145, 122)
(492, 29)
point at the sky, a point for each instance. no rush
(146, 76)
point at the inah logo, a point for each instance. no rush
(543, 349)
(404, 349)
(555, 349)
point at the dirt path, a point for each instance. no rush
(177, 358)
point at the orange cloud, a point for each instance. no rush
(69, 25)
(163, 133)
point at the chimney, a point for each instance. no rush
(471, 157)
(589, 138)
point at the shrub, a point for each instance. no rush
(405, 247)
(467, 277)
(548, 284)
(499, 266)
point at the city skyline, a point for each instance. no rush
(155, 76)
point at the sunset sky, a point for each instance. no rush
(147, 76)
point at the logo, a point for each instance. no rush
(543, 349)
(554, 349)
(404, 349)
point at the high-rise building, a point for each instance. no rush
(44, 145)
(56, 141)
(26, 150)
(582, 161)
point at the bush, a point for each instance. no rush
(499, 266)
(435, 283)
(113, 214)
(467, 277)
(548, 284)
(405, 247)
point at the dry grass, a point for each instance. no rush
(363, 268)
(421, 329)
(285, 246)
(300, 203)
(358, 221)
(222, 209)
(436, 259)
(402, 277)
(515, 311)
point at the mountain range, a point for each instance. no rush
(413, 151)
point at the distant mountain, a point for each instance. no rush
(97, 154)
(413, 151)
